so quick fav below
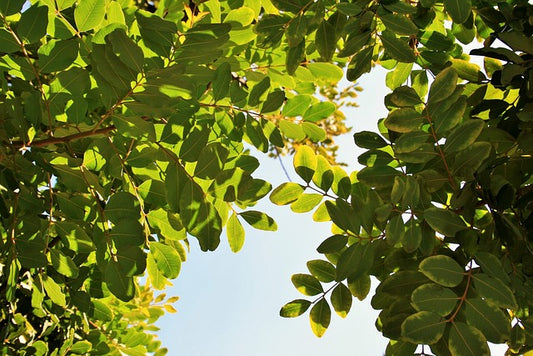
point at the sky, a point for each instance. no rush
(229, 303)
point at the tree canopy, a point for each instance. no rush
(130, 127)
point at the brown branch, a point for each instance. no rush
(64, 139)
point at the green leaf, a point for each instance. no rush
(467, 340)
(468, 71)
(132, 260)
(378, 176)
(327, 72)
(424, 327)
(320, 317)
(8, 42)
(57, 55)
(175, 180)
(470, 159)
(434, 298)
(127, 51)
(307, 284)
(295, 56)
(89, 14)
(10, 7)
(319, 111)
(399, 75)
(296, 106)
(122, 205)
(369, 139)
(286, 193)
(494, 290)
(74, 237)
(360, 287)
(355, 261)
(359, 64)
(305, 162)
(464, 135)
(153, 192)
(235, 233)
(306, 202)
(491, 265)
(443, 121)
(259, 220)
(166, 223)
(211, 161)
(324, 271)
(101, 311)
(490, 320)
(293, 6)
(63, 264)
(134, 127)
(341, 299)
(81, 347)
(118, 282)
(444, 221)
(222, 81)
(412, 237)
(292, 130)
(333, 244)
(443, 86)
(397, 48)
(403, 120)
(405, 96)
(459, 10)
(442, 270)
(295, 308)
(54, 291)
(242, 16)
(33, 23)
(325, 40)
(354, 43)
(167, 259)
(399, 24)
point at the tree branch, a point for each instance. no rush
(64, 139)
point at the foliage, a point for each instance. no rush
(441, 213)
(124, 126)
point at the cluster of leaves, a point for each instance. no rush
(441, 213)
(123, 129)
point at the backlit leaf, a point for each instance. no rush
(89, 14)
(259, 220)
(305, 162)
(307, 284)
(320, 317)
(167, 259)
(295, 308)
(341, 299)
(286, 193)
(235, 233)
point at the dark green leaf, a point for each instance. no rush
(459, 10)
(424, 327)
(464, 135)
(434, 298)
(359, 64)
(399, 24)
(355, 261)
(360, 287)
(397, 48)
(494, 290)
(118, 282)
(57, 55)
(443, 86)
(403, 120)
(444, 221)
(333, 244)
(325, 40)
(33, 23)
(488, 319)
(222, 80)
(10, 7)
(442, 270)
(368, 139)
(341, 299)
(467, 340)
